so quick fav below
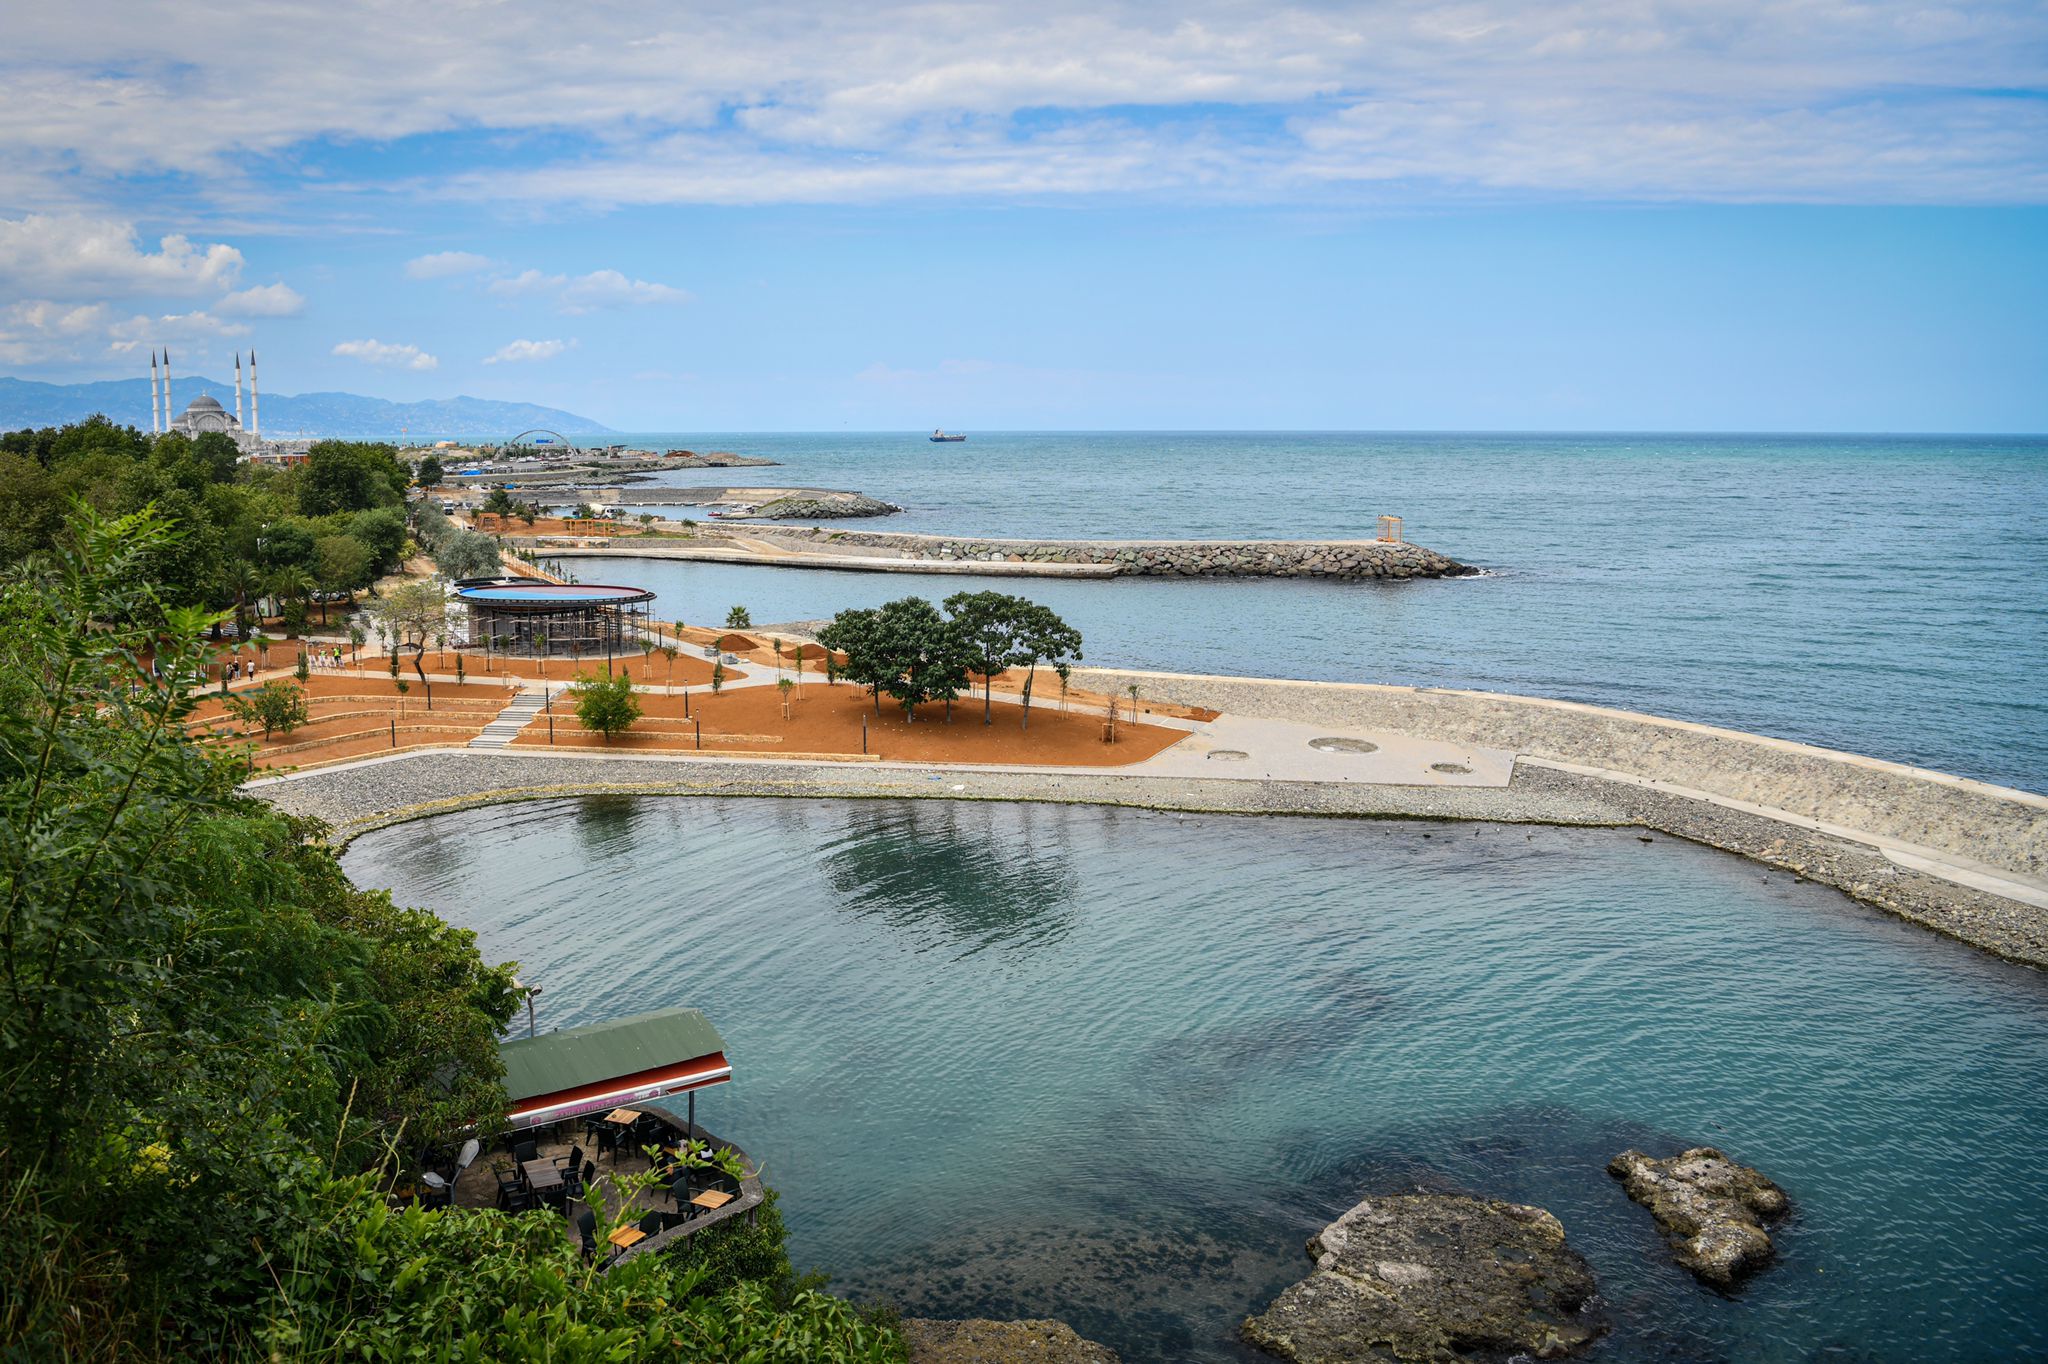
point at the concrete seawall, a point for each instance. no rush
(1993, 826)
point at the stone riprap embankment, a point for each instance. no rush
(1714, 1210)
(842, 506)
(1155, 558)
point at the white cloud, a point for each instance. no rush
(727, 101)
(586, 293)
(73, 256)
(264, 300)
(516, 352)
(442, 264)
(386, 353)
(37, 331)
(142, 329)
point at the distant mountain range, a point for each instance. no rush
(24, 402)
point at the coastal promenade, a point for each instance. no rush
(1961, 857)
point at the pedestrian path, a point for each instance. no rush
(515, 717)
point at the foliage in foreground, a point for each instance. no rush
(212, 1046)
(377, 1285)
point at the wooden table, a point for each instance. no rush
(542, 1175)
(711, 1200)
(623, 1116)
(626, 1236)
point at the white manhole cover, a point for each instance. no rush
(1343, 745)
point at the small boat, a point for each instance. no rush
(940, 435)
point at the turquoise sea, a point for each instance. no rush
(1885, 595)
(1115, 1067)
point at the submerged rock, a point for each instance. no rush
(1000, 1342)
(1433, 1277)
(1713, 1210)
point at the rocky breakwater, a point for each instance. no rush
(1713, 1210)
(1352, 559)
(1000, 1342)
(815, 507)
(1434, 1277)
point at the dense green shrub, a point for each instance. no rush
(213, 1047)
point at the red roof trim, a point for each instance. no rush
(603, 1095)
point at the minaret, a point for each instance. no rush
(238, 388)
(255, 413)
(156, 411)
(167, 390)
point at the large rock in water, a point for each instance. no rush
(1436, 1278)
(1713, 1210)
(1000, 1342)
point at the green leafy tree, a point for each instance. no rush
(905, 648)
(341, 563)
(382, 532)
(717, 677)
(350, 476)
(606, 704)
(992, 626)
(413, 614)
(429, 473)
(275, 707)
(1045, 638)
(739, 618)
(467, 554)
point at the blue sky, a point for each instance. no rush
(1596, 215)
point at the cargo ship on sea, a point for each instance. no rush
(940, 435)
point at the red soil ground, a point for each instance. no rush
(828, 720)
(350, 716)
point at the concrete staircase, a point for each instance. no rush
(511, 720)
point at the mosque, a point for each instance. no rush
(204, 414)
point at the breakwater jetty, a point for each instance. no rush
(1163, 558)
(905, 552)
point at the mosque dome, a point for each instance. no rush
(205, 402)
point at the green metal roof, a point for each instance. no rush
(596, 1052)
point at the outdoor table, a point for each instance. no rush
(626, 1236)
(542, 1175)
(711, 1200)
(623, 1116)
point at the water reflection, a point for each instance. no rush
(973, 876)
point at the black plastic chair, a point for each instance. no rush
(525, 1151)
(517, 1200)
(652, 1223)
(572, 1161)
(586, 1230)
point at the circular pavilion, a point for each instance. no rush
(531, 616)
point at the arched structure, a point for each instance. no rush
(562, 440)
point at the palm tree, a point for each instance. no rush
(241, 583)
(669, 652)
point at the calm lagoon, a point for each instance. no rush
(1114, 1067)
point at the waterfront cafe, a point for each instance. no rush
(599, 1067)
